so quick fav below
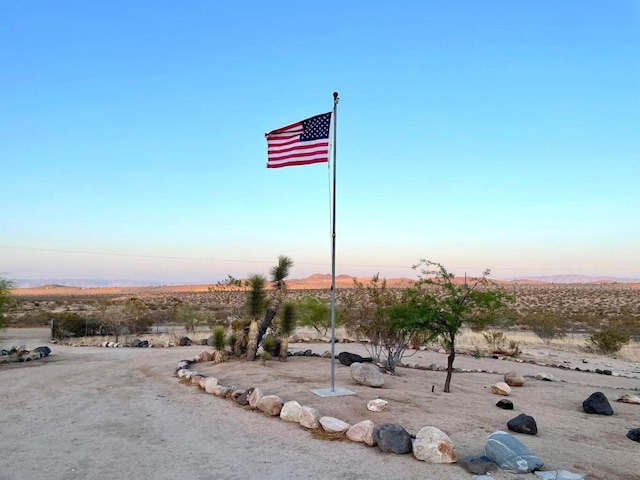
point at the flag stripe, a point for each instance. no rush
(301, 143)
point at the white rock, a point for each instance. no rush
(255, 397)
(362, 432)
(291, 411)
(628, 398)
(434, 446)
(501, 388)
(333, 425)
(209, 384)
(544, 376)
(309, 417)
(377, 405)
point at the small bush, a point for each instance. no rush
(495, 339)
(219, 338)
(610, 340)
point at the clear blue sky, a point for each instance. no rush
(495, 134)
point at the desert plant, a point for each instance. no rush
(278, 275)
(547, 325)
(286, 327)
(495, 339)
(315, 313)
(256, 302)
(265, 357)
(5, 299)
(448, 305)
(609, 340)
(189, 316)
(219, 342)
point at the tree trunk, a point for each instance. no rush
(284, 349)
(255, 336)
(252, 345)
(452, 356)
(266, 322)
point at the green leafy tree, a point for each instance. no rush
(189, 316)
(314, 313)
(5, 299)
(447, 305)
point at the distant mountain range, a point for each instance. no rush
(312, 279)
(570, 278)
(81, 282)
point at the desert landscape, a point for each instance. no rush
(93, 412)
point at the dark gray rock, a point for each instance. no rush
(598, 404)
(511, 454)
(347, 358)
(478, 465)
(204, 341)
(136, 343)
(634, 434)
(185, 342)
(523, 424)
(244, 398)
(391, 437)
(505, 404)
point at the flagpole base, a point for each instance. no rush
(328, 392)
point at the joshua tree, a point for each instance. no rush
(256, 301)
(219, 342)
(286, 327)
(278, 274)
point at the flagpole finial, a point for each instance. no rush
(335, 97)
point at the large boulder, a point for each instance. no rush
(366, 374)
(347, 358)
(511, 454)
(432, 445)
(271, 405)
(362, 432)
(598, 404)
(255, 397)
(523, 424)
(391, 437)
(514, 379)
(185, 342)
(333, 425)
(291, 411)
(309, 418)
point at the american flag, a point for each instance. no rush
(301, 143)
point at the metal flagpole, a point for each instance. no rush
(333, 391)
(333, 246)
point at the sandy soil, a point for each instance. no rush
(97, 413)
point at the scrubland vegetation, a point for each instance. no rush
(603, 317)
